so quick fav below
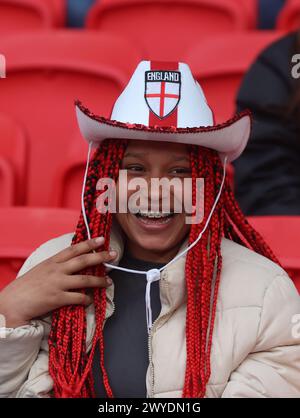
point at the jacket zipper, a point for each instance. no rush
(154, 326)
(113, 309)
(149, 338)
(149, 341)
(150, 359)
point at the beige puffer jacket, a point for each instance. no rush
(256, 341)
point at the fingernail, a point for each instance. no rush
(109, 280)
(99, 240)
(113, 253)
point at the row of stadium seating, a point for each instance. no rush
(41, 152)
(23, 229)
(136, 17)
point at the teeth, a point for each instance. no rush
(154, 214)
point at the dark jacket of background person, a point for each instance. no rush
(77, 11)
(268, 12)
(267, 175)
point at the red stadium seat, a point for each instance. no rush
(289, 17)
(282, 234)
(59, 8)
(219, 64)
(45, 74)
(13, 162)
(23, 229)
(251, 9)
(6, 183)
(24, 15)
(166, 28)
(67, 185)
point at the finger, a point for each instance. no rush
(74, 298)
(77, 249)
(82, 281)
(84, 261)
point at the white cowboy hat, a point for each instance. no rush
(163, 102)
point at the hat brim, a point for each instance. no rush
(229, 138)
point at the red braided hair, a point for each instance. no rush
(69, 364)
(204, 264)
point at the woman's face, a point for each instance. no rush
(153, 235)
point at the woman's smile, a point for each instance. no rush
(154, 221)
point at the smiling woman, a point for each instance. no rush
(155, 238)
(222, 307)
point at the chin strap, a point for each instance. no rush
(152, 275)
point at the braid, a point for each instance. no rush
(204, 264)
(200, 266)
(69, 364)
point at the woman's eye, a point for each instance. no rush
(135, 168)
(181, 170)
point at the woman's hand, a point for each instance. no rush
(50, 285)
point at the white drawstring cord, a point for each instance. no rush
(153, 274)
(83, 189)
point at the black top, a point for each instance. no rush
(125, 332)
(267, 175)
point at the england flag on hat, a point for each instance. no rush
(162, 91)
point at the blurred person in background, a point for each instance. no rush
(267, 176)
(268, 11)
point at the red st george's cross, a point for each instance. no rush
(162, 96)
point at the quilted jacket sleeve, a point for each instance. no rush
(19, 348)
(272, 369)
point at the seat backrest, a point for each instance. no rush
(7, 184)
(289, 17)
(45, 74)
(251, 9)
(24, 15)
(219, 64)
(13, 155)
(23, 229)
(166, 28)
(59, 8)
(282, 234)
(67, 184)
